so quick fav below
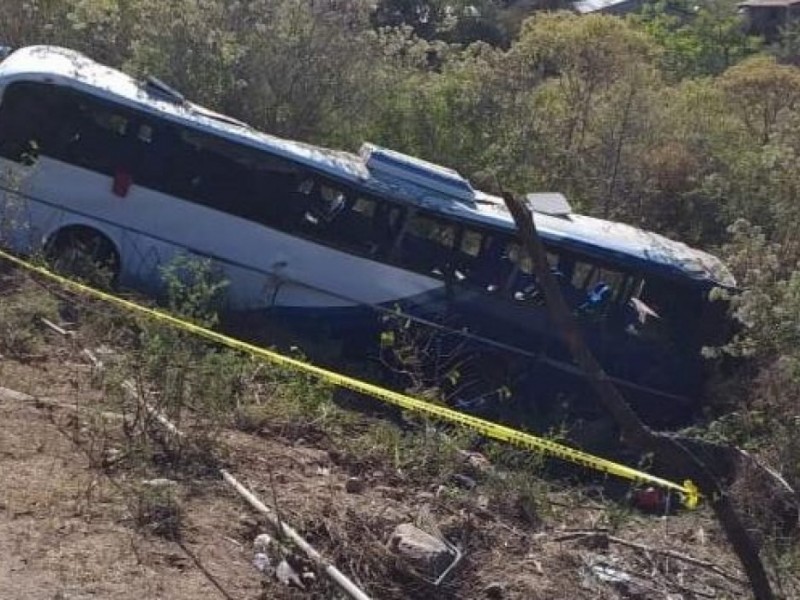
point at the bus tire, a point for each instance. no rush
(85, 253)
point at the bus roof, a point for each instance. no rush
(614, 242)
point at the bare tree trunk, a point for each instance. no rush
(634, 432)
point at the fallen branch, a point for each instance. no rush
(698, 562)
(50, 325)
(8, 395)
(337, 576)
(130, 389)
(606, 537)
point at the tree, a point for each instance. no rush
(698, 40)
(590, 80)
(761, 92)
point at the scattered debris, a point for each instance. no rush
(608, 574)
(261, 562)
(112, 456)
(160, 482)
(309, 577)
(262, 543)
(335, 574)
(286, 574)
(650, 499)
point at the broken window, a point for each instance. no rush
(427, 244)
(368, 226)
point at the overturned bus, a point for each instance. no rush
(131, 174)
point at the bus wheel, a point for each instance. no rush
(85, 254)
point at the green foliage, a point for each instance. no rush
(787, 47)
(459, 21)
(698, 40)
(194, 288)
(192, 383)
(769, 303)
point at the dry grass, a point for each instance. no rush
(292, 441)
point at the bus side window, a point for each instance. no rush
(367, 226)
(95, 137)
(599, 287)
(28, 121)
(326, 202)
(491, 267)
(522, 285)
(469, 247)
(427, 245)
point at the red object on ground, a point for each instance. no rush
(650, 499)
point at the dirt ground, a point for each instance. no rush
(67, 529)
(66, 533)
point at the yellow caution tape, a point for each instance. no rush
(689, 492)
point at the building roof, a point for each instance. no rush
(768, 3)
(607, 240)
(592, 6)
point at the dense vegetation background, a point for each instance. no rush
(673, 119)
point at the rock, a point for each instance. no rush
(112, 456)
(427, 553)
(160, 482)
(475, 460)
(495, 590)
(262, 543)
(261, 562)
(390, 492)
(464, 481)
(287, 575)
(354, 485)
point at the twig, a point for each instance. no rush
(59, 330)
(275, 502)
(8, 395)
(96, 362)
(698, 562)
(204, 571)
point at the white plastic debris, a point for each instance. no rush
(261, 562)
(287, 575)
(262, 543)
